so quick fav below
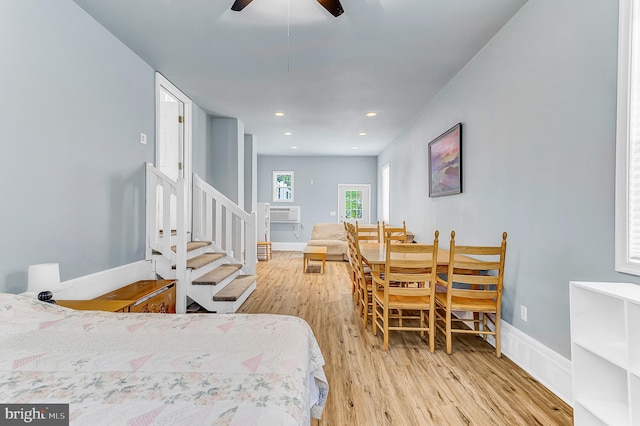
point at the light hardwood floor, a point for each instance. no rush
(407, 385)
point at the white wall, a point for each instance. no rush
(537, 105)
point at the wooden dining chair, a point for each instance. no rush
(362, 276)
(406, 286)
(351, 257)
(369, 233)
(394, 234)
(474, 284)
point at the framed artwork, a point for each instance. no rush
(282, 186)
(445, 163)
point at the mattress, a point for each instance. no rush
(157, 369)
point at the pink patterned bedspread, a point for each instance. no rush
(159, 369)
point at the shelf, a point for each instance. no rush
(615, 352)
(605, 351)
(634, 397)
(633, 315)
(608, 412)
(597, 316)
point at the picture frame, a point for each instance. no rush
(445, 163)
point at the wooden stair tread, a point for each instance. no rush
(202, 260)
(193, 245)
(217, 275)
(235, 289)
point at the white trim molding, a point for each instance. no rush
(284, 246)
(99, 283)
(548, 367)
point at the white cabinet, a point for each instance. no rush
(605, 353)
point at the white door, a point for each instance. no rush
(173, 140)
(354, 203)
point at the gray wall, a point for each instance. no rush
(318, 199)
(75, 101)
(538, 105)
(226, 161)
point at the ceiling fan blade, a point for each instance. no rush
(333, 6)
(240, 4)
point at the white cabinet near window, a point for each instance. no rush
(605, 353)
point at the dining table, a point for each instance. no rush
(375, 256)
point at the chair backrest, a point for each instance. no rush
(477, 271)
(409, 268)
(356, 256)
(394, 234)
(368, 232)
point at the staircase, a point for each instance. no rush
(211, 253)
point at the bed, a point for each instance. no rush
(144, 369)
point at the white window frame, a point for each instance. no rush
(386, 191)
(627, 235)
(276, 198)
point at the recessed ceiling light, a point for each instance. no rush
(354, 147)
(288, 133)
(371, 114)
(294, 147)
(279, 114)
(362, 134)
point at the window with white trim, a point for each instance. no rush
(385, 193)
(628, 140)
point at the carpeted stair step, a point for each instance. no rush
(193, 245)
(235, 289)
(202, 260)
(217, 275)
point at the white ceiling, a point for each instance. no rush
(325, 73)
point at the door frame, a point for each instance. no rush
(163, 83)
(364, 185)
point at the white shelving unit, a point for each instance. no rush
(605, 352)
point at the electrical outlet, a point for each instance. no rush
(523, 313)
(143, 139)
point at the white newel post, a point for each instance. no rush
(181, 247)
(251, 244)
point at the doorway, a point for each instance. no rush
(354, 203)
(173, 140)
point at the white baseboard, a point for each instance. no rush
(288, 246)
(545, 365)
(99, 283)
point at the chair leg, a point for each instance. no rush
(497, 336)
(365, 309)
(385, 327)
(432, 329)
(448, 330)
(374, 315)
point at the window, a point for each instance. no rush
(283, 186)
(385, 193)
(628, 140)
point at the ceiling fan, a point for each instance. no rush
(333, 6)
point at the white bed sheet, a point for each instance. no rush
(143, 369)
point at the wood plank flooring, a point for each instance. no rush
(407, 385)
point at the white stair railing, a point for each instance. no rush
(167, 198)
(218, 219)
